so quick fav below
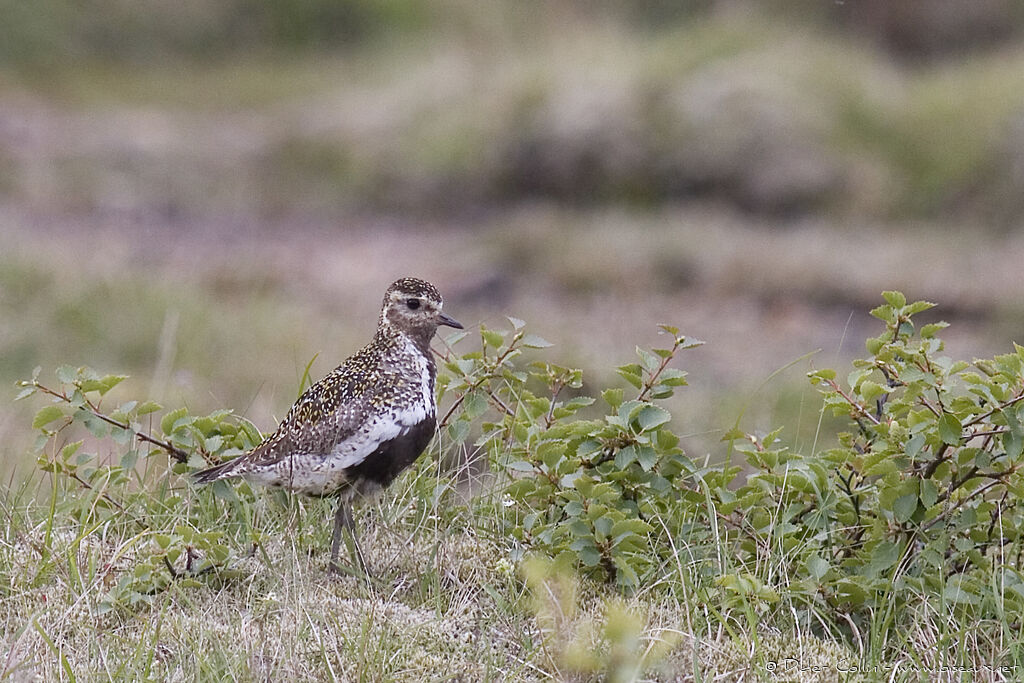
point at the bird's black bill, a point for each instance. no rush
(446, 319)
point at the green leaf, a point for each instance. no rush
(914, 445)
(148, 407)
(672, 377)
(625, 457)
(492, 338)
(632, 374)
(46, 415)
(874, 344)
(818, 376)
(918, 307)
(961, 589)
(903, 507)
(532, 341)
(871, 390)
(98, 427)
(630, 526)
(66, 374)
(69, 450)
(734, 434)
(883, 313)
(895, 299)
(167, 423)
(647, 457)
(1013, 444)
(626, 575)
(613, 397)
(881, 468)
(102, 385)
(474, 405)
(817, 567)
(603, 527)
(651, 417)
(929, 493)
(883, 556)
(589, 556)
(950, 429)
(458, 430)
(453, 338)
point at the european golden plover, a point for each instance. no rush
(355, 430)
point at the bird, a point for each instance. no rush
(354, 431)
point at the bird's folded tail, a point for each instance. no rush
(215, 473)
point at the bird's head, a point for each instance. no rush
(413, 307)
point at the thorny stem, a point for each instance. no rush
(172, 450)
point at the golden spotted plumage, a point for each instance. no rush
(357, 428)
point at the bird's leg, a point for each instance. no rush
(339, 521)
(343, 520)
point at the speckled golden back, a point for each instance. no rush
(361, 423)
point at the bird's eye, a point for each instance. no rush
(413, 304)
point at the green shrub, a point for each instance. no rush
(920, 501)
(597, 491)
(116, 477)
(913, 511)
(916, 507)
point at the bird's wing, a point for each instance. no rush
(334, 410)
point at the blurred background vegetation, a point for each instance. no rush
(206, 194)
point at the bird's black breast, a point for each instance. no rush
(389, 459)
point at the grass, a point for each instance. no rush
(452, 599)
(448, 605)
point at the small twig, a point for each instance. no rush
(172, 450)
(87, 485)
(891, 382)
(175, 574)
(848, 489)
(997, 478)
(480, 382)
(984, 416)
(849, 399)
(940, 457)
(935, 411)
(501, 404)
(983, 548)
(649, 384)
(550, 417)
(994, 432)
